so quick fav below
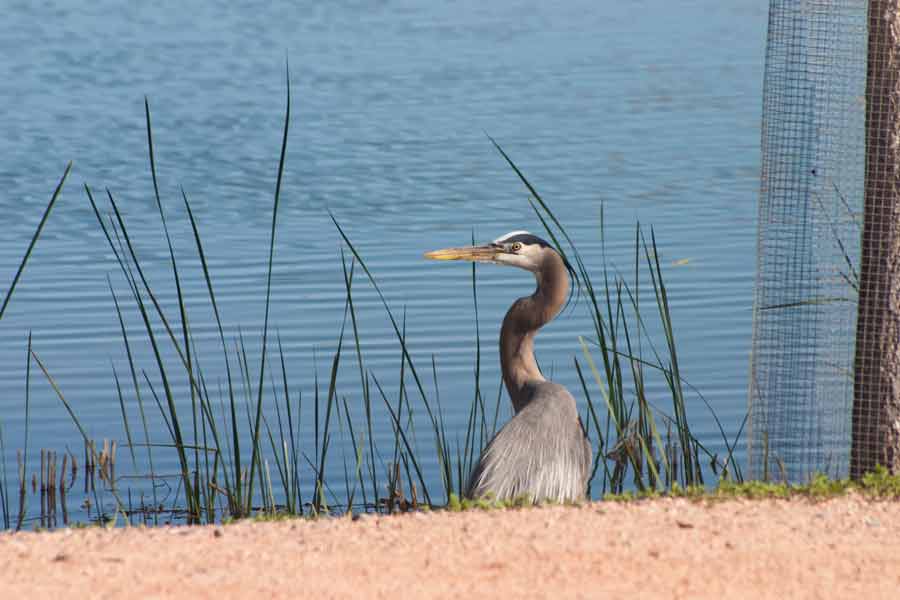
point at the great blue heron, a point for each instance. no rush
(542, 452)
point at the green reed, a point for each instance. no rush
(640, 443)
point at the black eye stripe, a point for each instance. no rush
(527, 238)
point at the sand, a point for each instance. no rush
(841, 548)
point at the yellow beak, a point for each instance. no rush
(471, 253)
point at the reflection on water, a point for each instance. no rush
(647, 110)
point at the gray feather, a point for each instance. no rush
(542, 452)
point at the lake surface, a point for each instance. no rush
(650, 110)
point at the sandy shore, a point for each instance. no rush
(842, 548)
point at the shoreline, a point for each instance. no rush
(659, 548)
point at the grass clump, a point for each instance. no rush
(879, 484)
(691, 492)
(488, 502)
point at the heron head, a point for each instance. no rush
(517, 248)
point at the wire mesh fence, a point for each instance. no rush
(811, 197)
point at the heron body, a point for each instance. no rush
(542, 452)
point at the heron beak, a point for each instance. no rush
(470, 253)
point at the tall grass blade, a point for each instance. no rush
(34, 239)
(137, 392)
(265, 333)
(329, 404)
(399, 428)
(23, 501)
(124, 415)
(235, 437)
(195, 499)
(363, 380)
(293, 494)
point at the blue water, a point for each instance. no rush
(650, 110)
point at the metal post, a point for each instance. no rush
(876, 406)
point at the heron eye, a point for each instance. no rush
(516, 246)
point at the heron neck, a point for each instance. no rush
(522, 321)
